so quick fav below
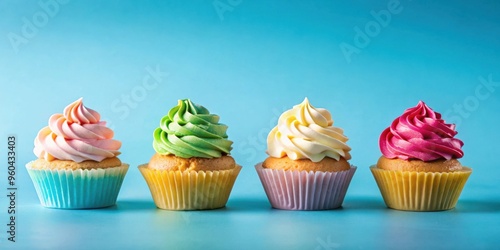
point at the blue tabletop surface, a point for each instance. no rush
(248, 61)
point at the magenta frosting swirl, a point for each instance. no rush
(421, 134)
(77, 135)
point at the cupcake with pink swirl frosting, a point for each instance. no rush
(77, 165)
(419, 168)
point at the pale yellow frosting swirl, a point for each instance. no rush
(306, 132)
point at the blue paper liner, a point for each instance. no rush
(78, 189)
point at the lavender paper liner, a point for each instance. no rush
(302, 190)
(78, 189)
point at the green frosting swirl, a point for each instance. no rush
(189, 130)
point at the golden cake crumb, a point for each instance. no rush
(419, 166)
(325, 165)
(71, 165)
(174, 163)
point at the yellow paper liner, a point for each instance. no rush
(192, 190)
(420, 191)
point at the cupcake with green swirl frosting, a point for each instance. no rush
(192, 168)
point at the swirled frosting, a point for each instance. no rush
(189, 130)
(76, 135)
(420, 133)
(306, 132)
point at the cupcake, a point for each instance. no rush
(77, 165)
(192, 168)
(419, 168)
(307, 167)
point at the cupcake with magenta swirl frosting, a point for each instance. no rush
(77, 165)
(307, 167)
(419, 168)
(192, 168)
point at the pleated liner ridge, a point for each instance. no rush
(192, 190)
(302, 190)
(420, 191)
(78, 189)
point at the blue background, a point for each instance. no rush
(248, 61)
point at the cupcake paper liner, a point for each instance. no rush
(191, 190)
(420, 191)
(302, 190)
(78, 189)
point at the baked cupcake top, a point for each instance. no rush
(190, 130)
(306, 132)
(76, 135)
(420, 134)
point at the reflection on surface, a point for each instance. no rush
(478, 206)
(363, 221)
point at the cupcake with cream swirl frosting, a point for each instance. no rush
(307, 167)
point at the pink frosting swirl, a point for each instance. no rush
(77, 135)
(420, 133)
